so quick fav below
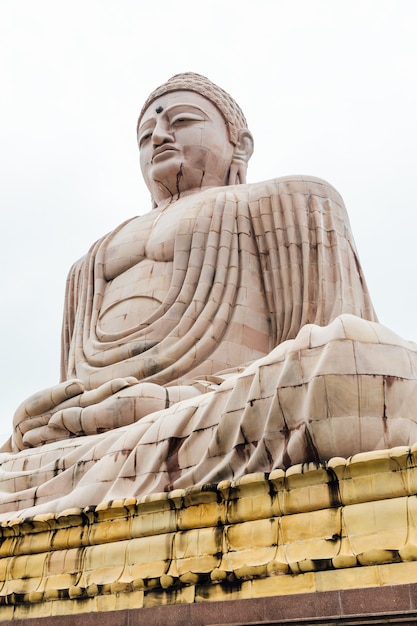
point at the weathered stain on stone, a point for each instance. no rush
(172, 463)
(333, 487)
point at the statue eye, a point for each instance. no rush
(180, 119)
(183, 118)
(144, 137)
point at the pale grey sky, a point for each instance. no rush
(329, 89)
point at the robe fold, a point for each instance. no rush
(292, 233)
(327, 380)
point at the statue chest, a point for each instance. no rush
(150, 236)
(138, 264)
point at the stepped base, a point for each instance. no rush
(315, 544)
(388, 605)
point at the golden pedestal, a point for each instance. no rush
(350, 525)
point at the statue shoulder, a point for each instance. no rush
(290, 185)
(76, 268)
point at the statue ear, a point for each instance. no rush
(242, 153)
(244, 144)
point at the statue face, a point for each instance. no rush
(184, 145)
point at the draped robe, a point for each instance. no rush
(290, 236)
(324, 379)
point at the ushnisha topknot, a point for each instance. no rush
(189, 81)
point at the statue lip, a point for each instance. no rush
(166, 147)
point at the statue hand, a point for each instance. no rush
(36, 412)
(98, 411)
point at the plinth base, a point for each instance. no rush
(314, 545)
(388, 605)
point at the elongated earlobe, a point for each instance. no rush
(241, 155)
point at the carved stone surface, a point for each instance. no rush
(163, 315)
(347, 525)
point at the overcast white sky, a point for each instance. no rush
(329, 88)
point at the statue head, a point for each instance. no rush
(192, 135)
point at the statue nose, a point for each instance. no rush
(161, 134)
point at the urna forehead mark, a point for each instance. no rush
(159, 109)
(190, 81)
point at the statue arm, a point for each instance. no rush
(66, 410)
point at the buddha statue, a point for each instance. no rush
(228, 330)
